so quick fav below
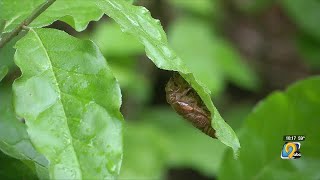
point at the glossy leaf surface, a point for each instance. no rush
(77, 14)
(70, 101)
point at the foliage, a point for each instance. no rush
(219, 60)
(162, 146)
(294, 111)
(309, 49)
(61, 95)
(61, 118)
(138, 21)
(64, 10)
(14, 140)
(7, 53)
(11, 168)
(111, 40)
(305, 15)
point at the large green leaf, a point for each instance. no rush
(70, 101)
(138, 22)
(77, 14)
(293, 112)
(161, 140)
(305, 14)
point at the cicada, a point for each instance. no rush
(187, 103)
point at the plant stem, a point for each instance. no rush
(26, 22)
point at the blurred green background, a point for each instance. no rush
(243, 50)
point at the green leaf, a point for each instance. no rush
(306, 15)
(11, 168)
(14, 140)
(161, 140)
(77, 15)
(293, 112)
(15, 11)
(70, 101)
(138, 22)
(7, 53)
(3, 72)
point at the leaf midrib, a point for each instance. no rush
(59, 99)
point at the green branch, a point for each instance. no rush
(26, 22)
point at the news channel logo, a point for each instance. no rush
(291, 148)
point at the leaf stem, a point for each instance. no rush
(26, 22)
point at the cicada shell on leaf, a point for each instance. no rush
(187, 103)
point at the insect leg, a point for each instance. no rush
(186, 91)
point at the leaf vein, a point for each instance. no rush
(59, 91)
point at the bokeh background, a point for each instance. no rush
(241, 49)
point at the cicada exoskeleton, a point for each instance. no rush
(186, 102)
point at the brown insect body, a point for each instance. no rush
(186, 102)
